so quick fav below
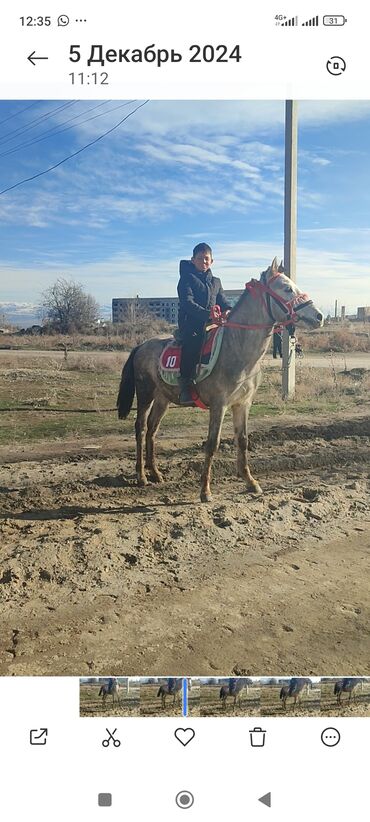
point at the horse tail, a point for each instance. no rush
(283, 692)
(337, 688)
(101, 690)
(222, 692)
(126, 391)
(160, 691)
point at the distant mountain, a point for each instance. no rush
(27, 314)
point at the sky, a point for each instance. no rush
(119, 215)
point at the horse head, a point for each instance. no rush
(284, 301)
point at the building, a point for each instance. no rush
(165, 308)
(125, 308)
(363, 313)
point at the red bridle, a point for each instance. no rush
(259, 289)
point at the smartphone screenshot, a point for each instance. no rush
(184, 411)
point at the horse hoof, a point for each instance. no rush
(142, 481)
(256, 490)
(205, 497)
(157, 478)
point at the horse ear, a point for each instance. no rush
(281, 268)
(274, 266)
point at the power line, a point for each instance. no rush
(16, 113)
(34, 123)
(75, 153)
(54, 133)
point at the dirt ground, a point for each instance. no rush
(98, 575)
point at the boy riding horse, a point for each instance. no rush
(198, 292)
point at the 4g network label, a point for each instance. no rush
(195, 53)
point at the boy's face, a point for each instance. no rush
(202, 261)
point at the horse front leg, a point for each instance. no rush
(216, 415)
(158, 411)
(240, 419)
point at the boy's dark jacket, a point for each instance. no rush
(198, 291)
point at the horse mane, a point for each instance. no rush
(245, 293)
(239, 302)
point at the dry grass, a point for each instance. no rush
(316, 388)
(48, 397)
(338, 339)
(111, 363)
(119, 337)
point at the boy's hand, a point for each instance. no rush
(224, 316)
(215, 313)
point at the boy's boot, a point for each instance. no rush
(185, 386)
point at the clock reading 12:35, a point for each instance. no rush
(35, 21)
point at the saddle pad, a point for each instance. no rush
(170, 359)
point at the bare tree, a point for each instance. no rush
(68, 307)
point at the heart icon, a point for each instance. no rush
(184, 735)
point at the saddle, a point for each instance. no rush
(170, 359)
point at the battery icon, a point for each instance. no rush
(334, 20)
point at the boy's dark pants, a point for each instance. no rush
(191, 346)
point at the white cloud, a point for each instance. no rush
(245, 117)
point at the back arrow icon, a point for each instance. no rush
(32, 58)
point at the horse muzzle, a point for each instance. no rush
(313, 318)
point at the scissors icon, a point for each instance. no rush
(116, 742)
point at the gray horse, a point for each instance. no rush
(233, 382)
(235, 690)
(170, 688)
(110, 688)
(295, 689)
(346, 686)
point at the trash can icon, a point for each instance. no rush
(257, 737)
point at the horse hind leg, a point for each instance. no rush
(157, 413)
(143, 404)
(240, 417)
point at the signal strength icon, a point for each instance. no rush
(313, 22)
(293, 21)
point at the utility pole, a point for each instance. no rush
(290, 234)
